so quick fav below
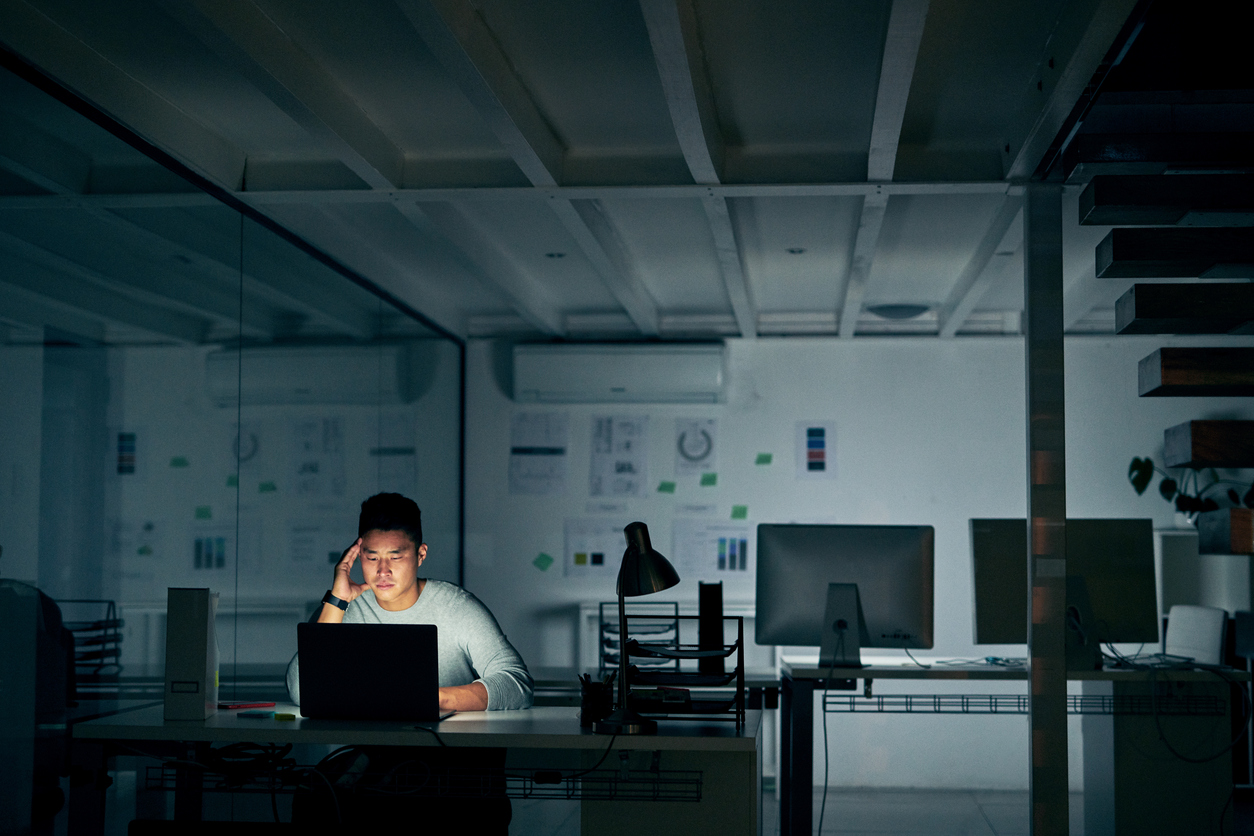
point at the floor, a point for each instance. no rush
(853, 812)
(849, 812)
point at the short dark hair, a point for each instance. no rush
(391, 512)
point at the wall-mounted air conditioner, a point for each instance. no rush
(374, 374)
(618, 373)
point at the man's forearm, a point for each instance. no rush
(472, 697)
(330, 614)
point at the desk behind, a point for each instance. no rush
(1129, 777)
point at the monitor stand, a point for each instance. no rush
(844, 628)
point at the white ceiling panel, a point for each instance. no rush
(925, 243)
(671, 245)
(798, 250)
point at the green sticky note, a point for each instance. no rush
(666, 487)
(709, 480)
(740, 512)
(204, 512)
(179, 461)
(763, 458)
(267, 487)
(232, 481)
(542, 562)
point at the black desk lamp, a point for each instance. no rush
(643, 572)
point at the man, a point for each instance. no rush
(479, 668)
(384, 786)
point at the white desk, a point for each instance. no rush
(1132, 784)
(729, 759)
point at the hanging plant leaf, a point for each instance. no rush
(1248, 499)
(1140, 472)
(1186, 504)
(1233, 497)
(1209, 504)
(1167, 488)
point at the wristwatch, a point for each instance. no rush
(333, 601)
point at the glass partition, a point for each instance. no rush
(193, 398)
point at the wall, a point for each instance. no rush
(289, 522)
(927, 432)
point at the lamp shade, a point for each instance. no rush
(643, 571)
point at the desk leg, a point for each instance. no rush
(189, 786)
(89, 780)
(796, 757)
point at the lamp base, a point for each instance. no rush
(625, 721)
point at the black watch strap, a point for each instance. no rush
(333, 601)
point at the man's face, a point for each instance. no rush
(389, 564)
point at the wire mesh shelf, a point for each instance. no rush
(598, 785)
(1164, 705)
(97, 633)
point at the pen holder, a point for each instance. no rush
(596, 701)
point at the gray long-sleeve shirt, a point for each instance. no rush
(472, 646)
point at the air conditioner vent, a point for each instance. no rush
(610, 373)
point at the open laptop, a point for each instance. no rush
(369, 672)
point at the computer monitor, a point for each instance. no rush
(1110, 562)
(891, 566)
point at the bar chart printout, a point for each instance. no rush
(709, 551)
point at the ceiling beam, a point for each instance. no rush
(680, 59)
(998, 245)
(731, 264)
(173, 287)
(461, 41)
(69, 284)
(492, 264)
(347, 197)
(190, 239)
(41, 158)
(677, 52)
(38, 311)
(63, 55)
(601, 244)
(354, 242)
(465, 46)
(255, 46)
(870, 221)
(1078, 42)
(45, 161)
(901, 52)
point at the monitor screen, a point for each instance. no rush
(891, 564)
(1109, 561)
